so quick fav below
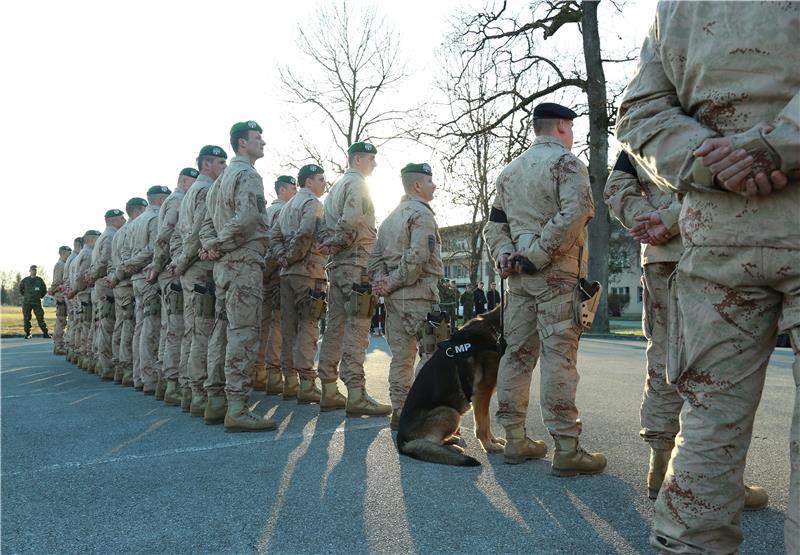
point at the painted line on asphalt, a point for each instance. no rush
(83, 399)
(25, 395)
(47, 378)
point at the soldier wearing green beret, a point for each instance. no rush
(234, 236)
(196, 277)
(80, 290)
(61, 306)
(33, 289)
(72, 320)
(405, 266)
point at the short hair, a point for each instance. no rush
(409, 179)
(543, 125)
(202, 158)
(240, 134)
(280, 185)
(151, 198)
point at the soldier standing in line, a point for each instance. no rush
(80, 290)
(405, 266)
(303, 283)
(269, 352)
(72, 320)
(196, 277)
(61, 305)
(538, 222)
(712, 113)
(234, 236)
(124, 303)
(33, 289)
(167, 244)
(349, 237)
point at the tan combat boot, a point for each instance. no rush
(274, 382)
(216, 407)
(107, 375)
(570, 459)
(394, 423)
(308, 392)
(331, 398)
(172, 394)
(359, 403)
(127, 378)
(519, 448)
(240, 418)
(186, 398)
(161, 389)
(659, 460)
(259, 377)
(149, 388)
(198, 405)
(755, 498)
(118, 373)
(290, 385)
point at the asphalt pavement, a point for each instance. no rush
(93, 467)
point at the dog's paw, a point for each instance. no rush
(456, 448)
(495, 445)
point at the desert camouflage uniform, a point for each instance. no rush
(295, 237)
(61, 305)
(269, 351)
(542, 207)
(629, 193)
(701, 75)
(408, 256)
(350, 226)
(83, 298)
(234, 225)
(124, 310)
(103, 300)
(72, 319)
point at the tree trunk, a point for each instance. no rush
(599, 228)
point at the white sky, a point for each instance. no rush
(100, 100)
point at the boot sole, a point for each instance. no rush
(172, 403)
(572, 473)
(197, 413)
(238, 430)
(357, 414)
(214, 421)
(329, 409)
(299, 402)
(520, 460)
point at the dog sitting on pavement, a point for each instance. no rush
(461, 373)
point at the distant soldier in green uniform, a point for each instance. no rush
(32, 289)
(467, 301)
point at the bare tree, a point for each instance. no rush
(354, 61)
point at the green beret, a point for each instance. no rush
(78, 240)
(190, 172)
(211, 150)
(245, 126)
(113, 213)
(158, 190)
(417, 168)
(134, 202)
(366, 148)
(92, 232)
(286, 179)
(551, 110)
(64, 248)
(307, 171)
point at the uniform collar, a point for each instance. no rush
(242, 160)
(409, 198)
(202, 178)
(355, 171)
(548, 139)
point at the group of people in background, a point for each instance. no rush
(462, 306)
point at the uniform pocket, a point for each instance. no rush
(675, 347)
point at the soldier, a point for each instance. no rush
(349, 237)
(124, 303)
(269, 351)
(167, 245)
(80, 290)
(446, 301)
(61, 305)
(33, 289)
(196, 277)
(467, 301)
(71, 317)
(303, 284)
(538, 221)
(405, 266)
(234, 236)
(712, 113)
(492, 297)
(652, 217)
(479, 299)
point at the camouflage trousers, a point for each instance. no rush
(540, 326)
(172, 311)
(661, 403)
(72, 323)
(106, 322)
(36, 307)
(198, 321)
(61, 322)
(730, 303)
(299, 335)
(269, 347)
(344, 345)
(84, 331)
(404, 318)
(124, 325)
(146, 334)
(233, 347)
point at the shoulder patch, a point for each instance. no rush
(262, 206)
(431, 243)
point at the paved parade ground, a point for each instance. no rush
(89, 466)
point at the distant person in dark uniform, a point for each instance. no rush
(33, 289)
(479, 299)
(492, 296)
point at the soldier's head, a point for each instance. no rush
(115, 218)
(186, 178)
(480, 285)
(90, 238)
(77, 244)
(135, 206)
(32, 271)
(554, 120)
(212, 161)
(491, 286)
(64, 252)
(285, 187)
(361, 156)
(157, 194)
(246, 140)
(312, 177)
(418, 181)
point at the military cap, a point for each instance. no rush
(190, 172)
(158, 190)
(135, 201)
(367, 148)
(78, 240)
(113, 213)
(286, 179)
(211, 150)
(417, 168)
(91, 232)
(245, 126)
(63, 248)
(307, 171)
(551, 110)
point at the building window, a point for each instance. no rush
(623, 292)
(639, 292)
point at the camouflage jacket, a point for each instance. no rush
(191, 215)
(79, 267)
(295, 236)
(630, 193)
(167, 240)
(271, 271)
(137, 250)
(542, 207)
(101, 253)
(67, 272)
(350, 220)
(235, 210)
(701, 75)
(58, 279)
(408, 252)
(32, 289)
(120, 237)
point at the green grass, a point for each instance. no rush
(11, 322)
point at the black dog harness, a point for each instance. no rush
(463, 350)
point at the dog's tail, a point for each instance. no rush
(426, 450)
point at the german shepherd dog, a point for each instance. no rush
(461, 373)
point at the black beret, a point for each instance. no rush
(113, 213)
(286, 179)
(417, 168)
(366, 148)
(211, 150)
(308, 170)
(135, 201)
(190, 172)
(245, 126)
(158, 190)
(551, 110)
